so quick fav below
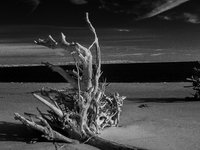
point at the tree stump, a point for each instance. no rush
(79, 113)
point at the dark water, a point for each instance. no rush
(130, 72)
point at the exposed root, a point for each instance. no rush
(82, 112)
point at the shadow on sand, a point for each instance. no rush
(17, 132)
(163, 100)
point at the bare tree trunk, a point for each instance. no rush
(83, 111)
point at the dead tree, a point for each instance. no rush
(79, 113)
(195, 80)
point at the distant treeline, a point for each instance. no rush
(130, 72)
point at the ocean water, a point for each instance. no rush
(118, 45)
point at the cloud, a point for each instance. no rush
(162, 6)
(187, 12)
(139, 9)
(182, 16)
(192, 18)
(34, 2)
(78, 2)
(135, 9)
(165, 17)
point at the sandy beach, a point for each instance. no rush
(168, 121)
(147, 50)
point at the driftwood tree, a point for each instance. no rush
(79, 113)
(195, 80)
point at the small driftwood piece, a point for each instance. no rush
(79, 113)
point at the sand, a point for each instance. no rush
(168, 121)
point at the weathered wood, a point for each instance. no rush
(97, 71)
(83, 111)
(80, 53)
(51, 106)
(63, 73)
(47, 130)
(110, 145)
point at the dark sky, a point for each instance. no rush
(104, 13)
